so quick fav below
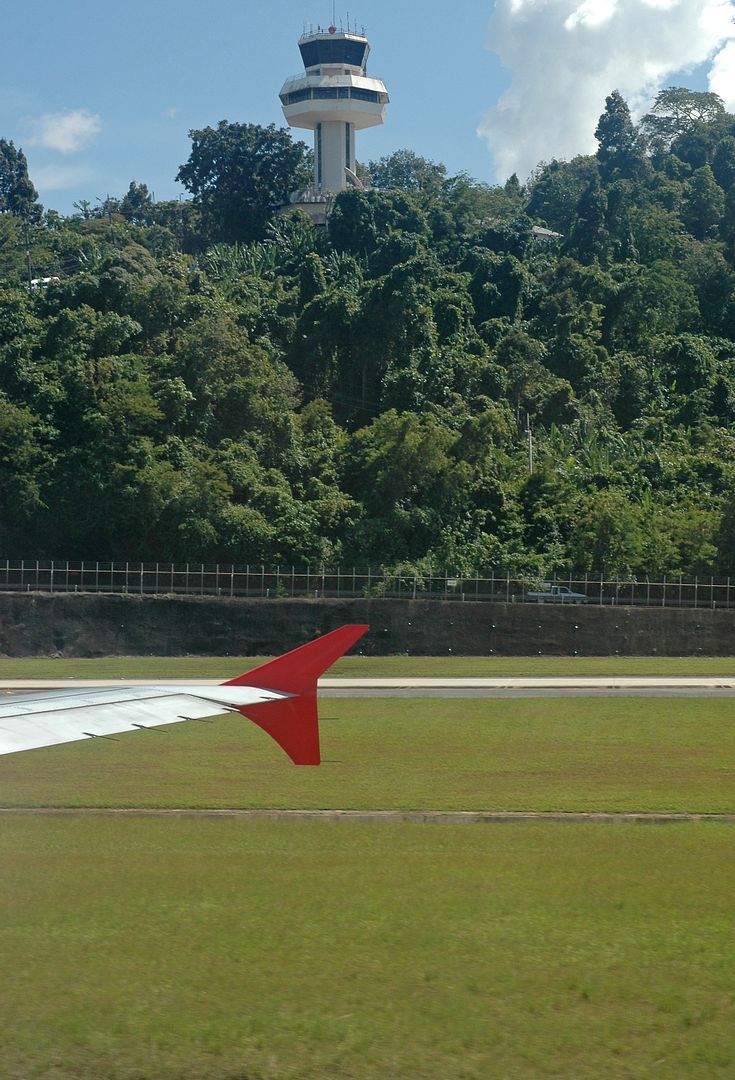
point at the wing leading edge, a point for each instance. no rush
(280, 697)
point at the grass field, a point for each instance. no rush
(230, 950)
(200, 949)
(224, 667)
(521, 754)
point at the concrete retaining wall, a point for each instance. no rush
(93, 625)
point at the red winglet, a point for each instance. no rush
(293, 722)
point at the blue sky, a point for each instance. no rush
(98, 93)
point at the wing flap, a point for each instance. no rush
(28, 731)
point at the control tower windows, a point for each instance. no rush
(332, 93)
(334, 51)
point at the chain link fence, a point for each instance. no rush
(199, 579)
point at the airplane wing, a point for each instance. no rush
(279, 697)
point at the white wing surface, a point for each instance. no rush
(29, 721)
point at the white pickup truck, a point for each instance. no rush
(557, 594)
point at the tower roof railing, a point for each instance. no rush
(339, 31)
(301, 76)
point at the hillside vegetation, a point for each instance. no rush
(208, 380)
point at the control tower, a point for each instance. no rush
(334, 98)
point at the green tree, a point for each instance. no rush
(678, 111)
(608, 534)
(22, 459)
(361, 219)
(589, 239)
(556, 189)
(723, 163)
(407, 171)
(137, 204)
(17, 194)
(11, 256)
(619, 152)
(704, 207)
(401, 471)
(240, 175)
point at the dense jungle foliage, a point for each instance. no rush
(209, 380)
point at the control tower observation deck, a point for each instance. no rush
(334, 98)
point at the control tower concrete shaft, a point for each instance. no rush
(334, 98)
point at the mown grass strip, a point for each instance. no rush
(580, 754)
(205, 950)
(223, 667)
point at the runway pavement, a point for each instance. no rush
(503, 687)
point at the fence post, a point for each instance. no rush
(696, 591)
(663, 593)
(507, 587)
(728, 592)
(602, 586)
(232, 579)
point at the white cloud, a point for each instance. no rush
(565, 56)
(592, 13)
(722, 75)
(67, 131)
(60, 177)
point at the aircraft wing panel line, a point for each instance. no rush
(67, 700)
(27, 732)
